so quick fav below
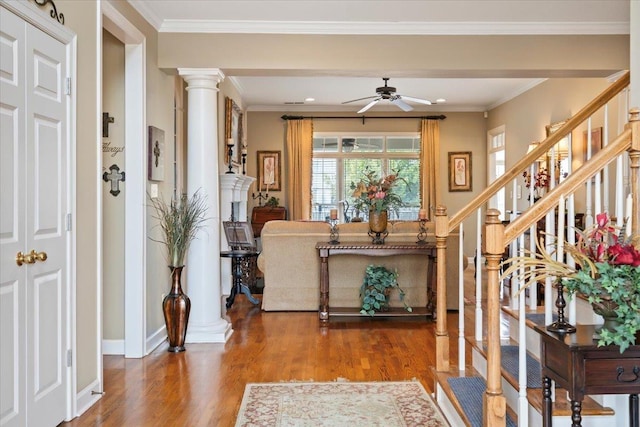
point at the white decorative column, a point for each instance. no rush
(203, 262)
(234, 190)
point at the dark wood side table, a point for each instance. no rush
(576, 363)
(238, 258)
(325, 250)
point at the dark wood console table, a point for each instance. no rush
(576, 363)
(325, 250)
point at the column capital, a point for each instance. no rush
(201, 77)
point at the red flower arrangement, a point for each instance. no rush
(606, 272)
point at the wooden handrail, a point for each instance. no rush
(539, 151)
(575, 180)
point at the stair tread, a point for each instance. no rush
(531, 315)
(442, 378)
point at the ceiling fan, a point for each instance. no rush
(389, 93)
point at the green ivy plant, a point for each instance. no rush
(376, 289)
(273, 202)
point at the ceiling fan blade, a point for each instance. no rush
(412, 99)
(401, 104)
(360, 99)
(369, 105)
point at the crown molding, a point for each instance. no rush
(391, 28)
(147, 13)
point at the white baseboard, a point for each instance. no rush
(156, 339)
(116, 347)
(85, 399)
(113, 347)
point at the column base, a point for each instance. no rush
(218, 332)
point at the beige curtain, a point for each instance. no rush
(299, 153)
(429, 169)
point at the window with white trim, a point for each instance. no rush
(339, 160)
(496, 161)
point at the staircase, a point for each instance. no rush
(497, 382)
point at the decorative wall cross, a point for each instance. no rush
(115, 176)
(156, 152)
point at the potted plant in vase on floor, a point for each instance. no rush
(607, 274)
(179, 221)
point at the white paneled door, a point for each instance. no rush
(33, 233)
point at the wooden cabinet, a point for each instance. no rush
(262, 214)
(577, 364)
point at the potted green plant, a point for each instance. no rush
(179, 221)
(273, 202)
(607, 274)
(376, 288)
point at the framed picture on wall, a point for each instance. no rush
(596, 143)
(233, 130)
(156, 154)
(460, 171)
(268, 170)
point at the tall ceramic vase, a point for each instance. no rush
(378, 226)
(176, 307)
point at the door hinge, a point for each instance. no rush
(67, 89)
(68, 222)
(69, 358)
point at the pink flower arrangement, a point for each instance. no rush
(373, 193)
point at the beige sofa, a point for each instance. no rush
(291, 266)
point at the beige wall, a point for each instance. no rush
(458, 132)
(434, 56)
(113, 207)
(84, 19)
(554, 100)
(81, 17)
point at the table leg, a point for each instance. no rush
(245, 290)
(323, 312)
(547, 404)
(576, 416)
(432, 286)
(634, 412)
(236, 280)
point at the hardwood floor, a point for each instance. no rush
(204, 385)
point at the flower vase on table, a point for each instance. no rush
(378, 226)
(377, 196)
(607, 309)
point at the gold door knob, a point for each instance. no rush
(24, 258)
(38, 256)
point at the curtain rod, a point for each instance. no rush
(440, 117)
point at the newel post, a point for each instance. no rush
(634, 157)
(442, 335)
(493, 403)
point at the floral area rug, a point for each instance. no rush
(335, 404)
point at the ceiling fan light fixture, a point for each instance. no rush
(389, 93)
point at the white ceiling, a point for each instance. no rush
(447, 17)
